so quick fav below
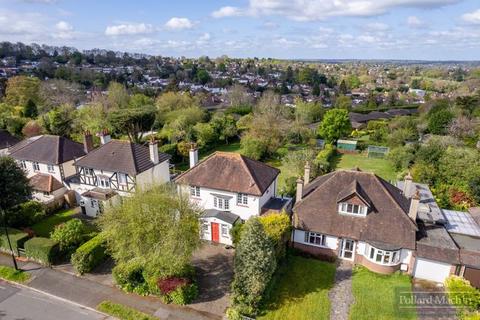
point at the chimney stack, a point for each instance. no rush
(153, 147)
(104, 136)
(87, 141)
(299, 196)
(306, 175)
(414, 204)
(193, 155)
(407, 185)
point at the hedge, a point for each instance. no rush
(89, 255)
(42, 250)
(17, 239)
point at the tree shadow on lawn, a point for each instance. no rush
(296, 278)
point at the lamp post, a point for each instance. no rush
(8, 238)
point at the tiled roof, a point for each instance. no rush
(47, 149)
(44, 183)
(230, 172)
(120, 156)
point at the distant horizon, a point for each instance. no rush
(410, 30)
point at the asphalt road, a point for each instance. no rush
(25, 304)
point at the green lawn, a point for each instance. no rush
(381, 167)
(300, 290)
(375, 295)
(11, 274)
(44, 227)
(123, 312)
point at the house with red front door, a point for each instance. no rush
(230, 188)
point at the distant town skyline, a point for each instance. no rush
(286, 29)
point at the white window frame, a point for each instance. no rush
(122, 178)
(205, 227)
(242, 199)
(195, 191)
(36, 166)
(93, 203)
(23, 164)
(221, 203)
(104, 182)
(312, 237)
(382, 257)
(51, 168)
(352, 209)
(224, 230)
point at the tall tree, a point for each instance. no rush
(59, 121)
(14, 185)
(335, 124)
(21, 89)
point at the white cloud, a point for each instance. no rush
(25, 24)
(227, 12)
(63, 26)
(308, 10)
(64, 30)
(129, 29)
(414, 22)
(178, 24)
(472, 17)
(377, 26)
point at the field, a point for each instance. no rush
(382, 167)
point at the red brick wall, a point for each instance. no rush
(375, 267)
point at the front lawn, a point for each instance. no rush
(375, 295)
(123, 312)
(11, 274)
(382, 167)
(46, 226)
(300, 290)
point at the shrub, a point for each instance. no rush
(17, 239)
(277, 227)
(177, 290)
(236, 232)
(42, 250)
(27, 214)
(233, 314)
(129, 276)
(69, 235)
(89, 255)
(323, 160)
(463, 295)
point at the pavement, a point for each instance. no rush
(89, 293)
(340, 295)
(13, 300)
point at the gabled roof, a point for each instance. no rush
(230, 172)
(389, 223)
(120, 156)
(47, 149)
(44, 183)
(7, 140)
(352, 189)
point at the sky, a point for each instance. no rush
(285, 29)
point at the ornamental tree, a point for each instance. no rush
(335, 124)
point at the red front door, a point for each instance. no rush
(215, 237)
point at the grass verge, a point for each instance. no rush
(300, 290)
(11, 274)
(381, 167)
(123, 312)
(375, 295)
(46, 226)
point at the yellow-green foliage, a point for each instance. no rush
(277, 227)
(463, 295)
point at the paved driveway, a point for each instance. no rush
(214, 265)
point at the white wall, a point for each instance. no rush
(69, 168)
(159, 174)
(43, 169)
(331, 242)
(207, 234)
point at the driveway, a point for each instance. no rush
(214, 266)
(434, 307)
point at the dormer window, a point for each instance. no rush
(354, 209)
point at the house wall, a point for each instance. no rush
(159, 174)
(69, 168)
(253, 208)
(43, 169)
(206, 234)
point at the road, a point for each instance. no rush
(26, 304)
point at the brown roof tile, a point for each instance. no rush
(230, 172)
(387, 223)
(120, 156)
(44, 183)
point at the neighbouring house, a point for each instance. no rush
(230, 188)
(358, 216)
(48, 162)
(6, 141)
(116, 168)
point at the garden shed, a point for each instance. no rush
(346, 145)
(377, 151)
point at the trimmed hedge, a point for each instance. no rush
(42, 250)
(89, 255)
(17, 239)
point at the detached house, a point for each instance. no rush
(230, 187)
(48, 162)
(359, 217)
(117, 168)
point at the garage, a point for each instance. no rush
(431, 270)
(472, 275)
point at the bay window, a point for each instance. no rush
(383, 257)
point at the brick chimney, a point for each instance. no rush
(407, 185)
(153, 147)
(104, 136)
(193, 155)
(87, 141)
(299, 195)
(414, 204)
(306, 175)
